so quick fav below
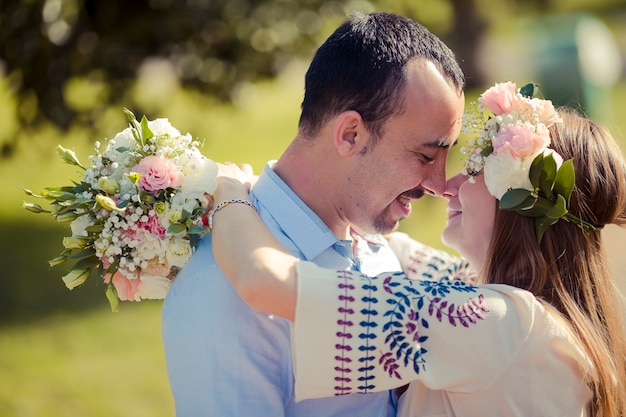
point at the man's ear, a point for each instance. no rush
(347, 130)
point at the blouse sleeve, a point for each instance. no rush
(354, 333)
(420, 261)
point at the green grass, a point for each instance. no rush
(88, 364)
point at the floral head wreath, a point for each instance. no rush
(510, 146)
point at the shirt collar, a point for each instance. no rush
(295, 219)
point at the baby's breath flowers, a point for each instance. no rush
(138, 211)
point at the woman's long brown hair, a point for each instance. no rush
(570, 270)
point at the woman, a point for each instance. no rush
(539, 333)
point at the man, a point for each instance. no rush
(383, 104)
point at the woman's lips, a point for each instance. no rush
(453, 213)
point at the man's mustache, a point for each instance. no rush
(415, 193)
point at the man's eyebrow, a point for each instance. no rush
(441, 143)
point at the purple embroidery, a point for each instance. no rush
(343, 334)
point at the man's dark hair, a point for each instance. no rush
(361, 67)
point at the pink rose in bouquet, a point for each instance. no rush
(158, 173)
(126, 288)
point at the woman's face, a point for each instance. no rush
(471, 217)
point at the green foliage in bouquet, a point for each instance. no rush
(66, 206)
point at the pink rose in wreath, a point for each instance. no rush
(500, 98)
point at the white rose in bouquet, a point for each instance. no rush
(153, 287)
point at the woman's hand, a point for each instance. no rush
(242, 173)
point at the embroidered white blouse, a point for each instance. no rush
(467, 350)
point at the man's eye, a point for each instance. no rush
(428, 159)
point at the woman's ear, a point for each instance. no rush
(347, 131)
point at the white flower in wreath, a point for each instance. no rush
(503, 172)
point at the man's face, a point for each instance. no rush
(410, 157)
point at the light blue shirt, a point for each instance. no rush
(223, 358)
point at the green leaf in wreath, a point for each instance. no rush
(528, 90)
(541, 224)
(535, 170)
(565, 178)
(548, 176)
(534, 211)
(515, 198)
(559, 209)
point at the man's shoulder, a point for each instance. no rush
(200, 268)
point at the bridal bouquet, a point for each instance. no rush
(138, 211)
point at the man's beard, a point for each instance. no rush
(381, 223)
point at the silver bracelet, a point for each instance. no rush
(224, 204)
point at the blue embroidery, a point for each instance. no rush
(406, 306)
(409, 307)
(369, 311)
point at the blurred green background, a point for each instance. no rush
(231, 73)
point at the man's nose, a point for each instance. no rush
(435, 182)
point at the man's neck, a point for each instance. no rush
(309, 178)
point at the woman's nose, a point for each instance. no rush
(452, 186)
